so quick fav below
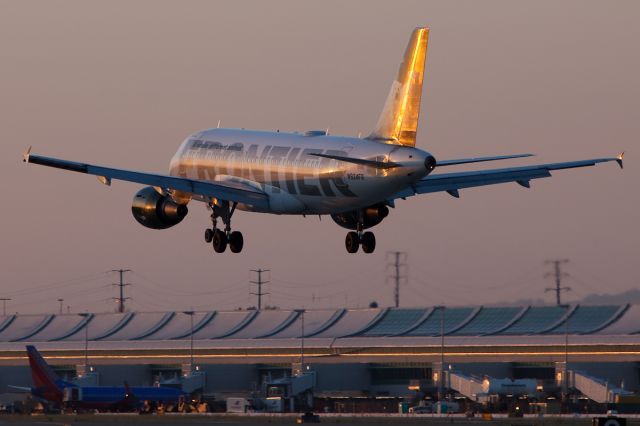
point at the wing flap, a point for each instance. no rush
(20, 389)
(229, 191)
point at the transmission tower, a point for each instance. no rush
(557, 274)
(121, 286)
(396, 259)
(259, 283)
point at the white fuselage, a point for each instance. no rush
(281, 165)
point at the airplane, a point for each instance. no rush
(354, 180)
(47, 386)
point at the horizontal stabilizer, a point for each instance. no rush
(480, 159)
(370, 163)
(19, 389)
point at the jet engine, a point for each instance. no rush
(157, 211)
(371, 216)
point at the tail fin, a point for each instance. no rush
(42, 375)
(398, 122)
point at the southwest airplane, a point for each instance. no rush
(352, 179)
(47, 386)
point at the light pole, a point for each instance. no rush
(301, 313)
(566, 345)
(441, 373)
(190, 313)
(86, 341)
(565, 383)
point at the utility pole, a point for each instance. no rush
(557, 274)
(259, 283)
(397, 258)
(190, 313)
(121, 285)
(4, 305)
(60, 300)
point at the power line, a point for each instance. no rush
(39, 289)
(397, 256)
(259, 283)
(4, 305)
(557, 274)
(121, 286)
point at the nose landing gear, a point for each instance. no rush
(219, 241)
(236, 241)
(219, 238)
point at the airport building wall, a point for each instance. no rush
(390, 379)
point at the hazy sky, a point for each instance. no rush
(122, 83)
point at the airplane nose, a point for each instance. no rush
(430, 163)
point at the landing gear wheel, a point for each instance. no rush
(352, 242)
(219, 241)
(368, 242)
(236, 242)
(208, 235)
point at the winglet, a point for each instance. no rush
(619, 159)
(25, 156)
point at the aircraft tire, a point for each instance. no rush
(219, 241)
(208, 235)
(352, 242)
(368, 242)
(236, 242)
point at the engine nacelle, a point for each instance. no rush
(157, 211)
(371, 216)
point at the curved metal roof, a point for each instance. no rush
(374, 324)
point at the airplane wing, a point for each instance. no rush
(229, 191)
(452, 182)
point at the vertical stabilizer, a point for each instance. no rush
(43, 376)
(398, 123)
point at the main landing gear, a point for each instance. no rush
(367, 240)
(356, 239)
(221, 239)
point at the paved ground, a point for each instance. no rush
(167, 420)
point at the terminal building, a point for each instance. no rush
(367, 353)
